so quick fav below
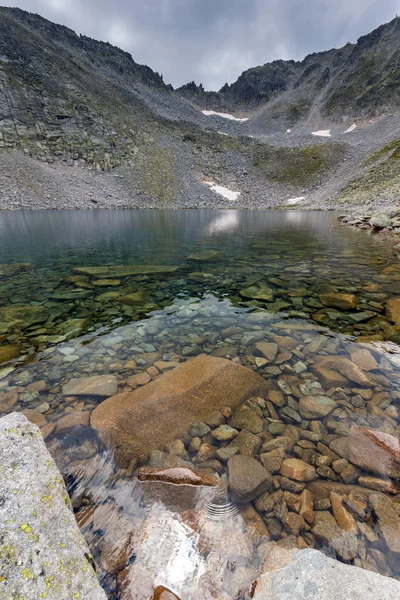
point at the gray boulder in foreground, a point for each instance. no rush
(310, 575)
(42, 552)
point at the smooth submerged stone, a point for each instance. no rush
(9, 270)
(205, 255)
(106, 282)
(247, 478)
(258, 293)
(342, 301)
(163, 593)
(25, 314)
(294, 468)
(267, 349)
(9, 352)
(364, 359)
(388, 521)
(73, 420)
(142, 420)
(246, 418)
(140, 297)
(177, 476)
(8, 399)
(43, 554)
(374, 451)
(393, 310)
(125, 271)
(338, 371)
(315, 407)
(98, 385)
(344, 543)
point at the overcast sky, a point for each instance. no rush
(213, 41)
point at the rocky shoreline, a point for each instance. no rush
(385, 223)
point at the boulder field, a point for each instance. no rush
(125, 422)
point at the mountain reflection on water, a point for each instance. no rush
(320, 298)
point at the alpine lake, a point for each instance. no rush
(208, 382)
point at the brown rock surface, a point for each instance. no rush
(344, 543)
(75, 419)
(296, 469)
(343, 518)
(8, 400)
(98, 385)
(246, 418)
(246, 442)
(338, 371)
(162, 593)
(268, 350)
(315, 407)
(388, 520)
(374, 451)
(307, 506)
(136, 422)
(364, 359)
(9, 352)
(393, 310)
(177, 476)
(342, 301)
(35, 417)
(138, 380)
(247, 479)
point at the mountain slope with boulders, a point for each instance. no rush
(82, 125)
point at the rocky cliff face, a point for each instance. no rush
(64, 95)
(358, 79)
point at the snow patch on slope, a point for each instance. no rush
(209, 113)
(222, 191)
(322, 133)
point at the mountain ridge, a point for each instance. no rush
(67, 100)
(353, 65)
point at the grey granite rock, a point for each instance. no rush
(43, 554)
(310, 575)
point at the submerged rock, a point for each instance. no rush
(258, 293)
(373, 451)
(344, 543)
(315, 407)
(140, 297)
(26, 314)
(163, 593)
(338, 371)
(43, 554)
(9, 352)
(125, 271)
(98, 385)
(342, 301)
(151, 416)
(388, 521)
(205, 255)
(13, 269)
(247, 478)
(393, 310)
(177, 476)
(294, 468)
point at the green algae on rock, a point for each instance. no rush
(43, 554)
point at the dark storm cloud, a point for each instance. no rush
(213, 41)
